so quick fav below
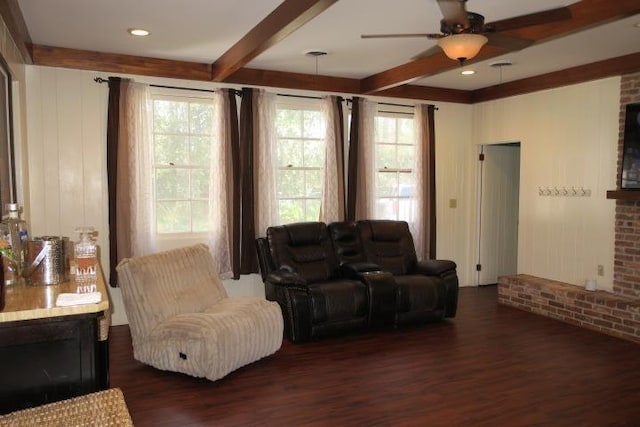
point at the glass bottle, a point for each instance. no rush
(15, 233)
(85, 254)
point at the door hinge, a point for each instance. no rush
(481, 157)
(478, 267)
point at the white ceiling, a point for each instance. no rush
(202, 30)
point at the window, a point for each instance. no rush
(182, 137)
(300, 131)
(395, 155)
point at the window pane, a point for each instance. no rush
(385, 208)
(313, 179)
(200, 216)
(406, 184)
(290, 183)
(387, 184)
(291, 211)
(314, 154)
(200, 153)
(313, 210)
(386, 156)
(170, 149)
(313, 125)
(170, 116)
(201, 118)
(290, 152)
(172, 184)
(406, 156)
(406, 131)
(385, 129)
(289, 123)
(200, 184)
(173, 217)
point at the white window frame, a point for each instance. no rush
(398, 198)
(299, 104)
(178, 96)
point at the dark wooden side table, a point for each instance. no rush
(50, 353)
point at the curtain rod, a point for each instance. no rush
(101, 80)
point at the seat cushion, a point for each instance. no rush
(420, 293)
(234, 332)
(338, 300)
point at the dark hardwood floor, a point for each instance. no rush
(490, 366)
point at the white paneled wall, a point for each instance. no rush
(568, 138)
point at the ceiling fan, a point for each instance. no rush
(463, 33)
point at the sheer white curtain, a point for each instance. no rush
(221, 185)
(135, 188)
(332, 205)
(366, 178)
(417, 215)
(265, 163)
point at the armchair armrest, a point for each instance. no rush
(435, 267)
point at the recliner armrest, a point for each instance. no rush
(435, 267)
(355, 269)
(285, 278)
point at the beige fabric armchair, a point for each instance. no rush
(182, 320)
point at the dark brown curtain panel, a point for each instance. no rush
(234, 139)
(248, 257)
(429, 139)
(113, 132)
(352, 169)
(338, 123)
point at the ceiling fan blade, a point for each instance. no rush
(506, 42)
(530, 20)
(434, 50)
(390, 36)
(454, 12)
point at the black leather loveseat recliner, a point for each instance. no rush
(350, 276)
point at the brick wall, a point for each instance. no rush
(626, 267)
(600, 311)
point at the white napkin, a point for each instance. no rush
(65, 300)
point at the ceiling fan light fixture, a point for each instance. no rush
(461, 47)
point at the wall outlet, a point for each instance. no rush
(600, 270)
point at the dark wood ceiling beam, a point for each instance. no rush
(286, 80)
(284, 20)
(423, 93)
(585, 14)
(597, 70)
(414, 70)
(14, 20)
(125, 64)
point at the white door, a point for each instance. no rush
(499, 193)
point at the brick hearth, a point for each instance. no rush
(597, 310)
(616, 313)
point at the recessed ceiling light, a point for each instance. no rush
(467, 72)
(637, 25)
(138, 32)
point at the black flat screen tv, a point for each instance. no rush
(631, 149)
